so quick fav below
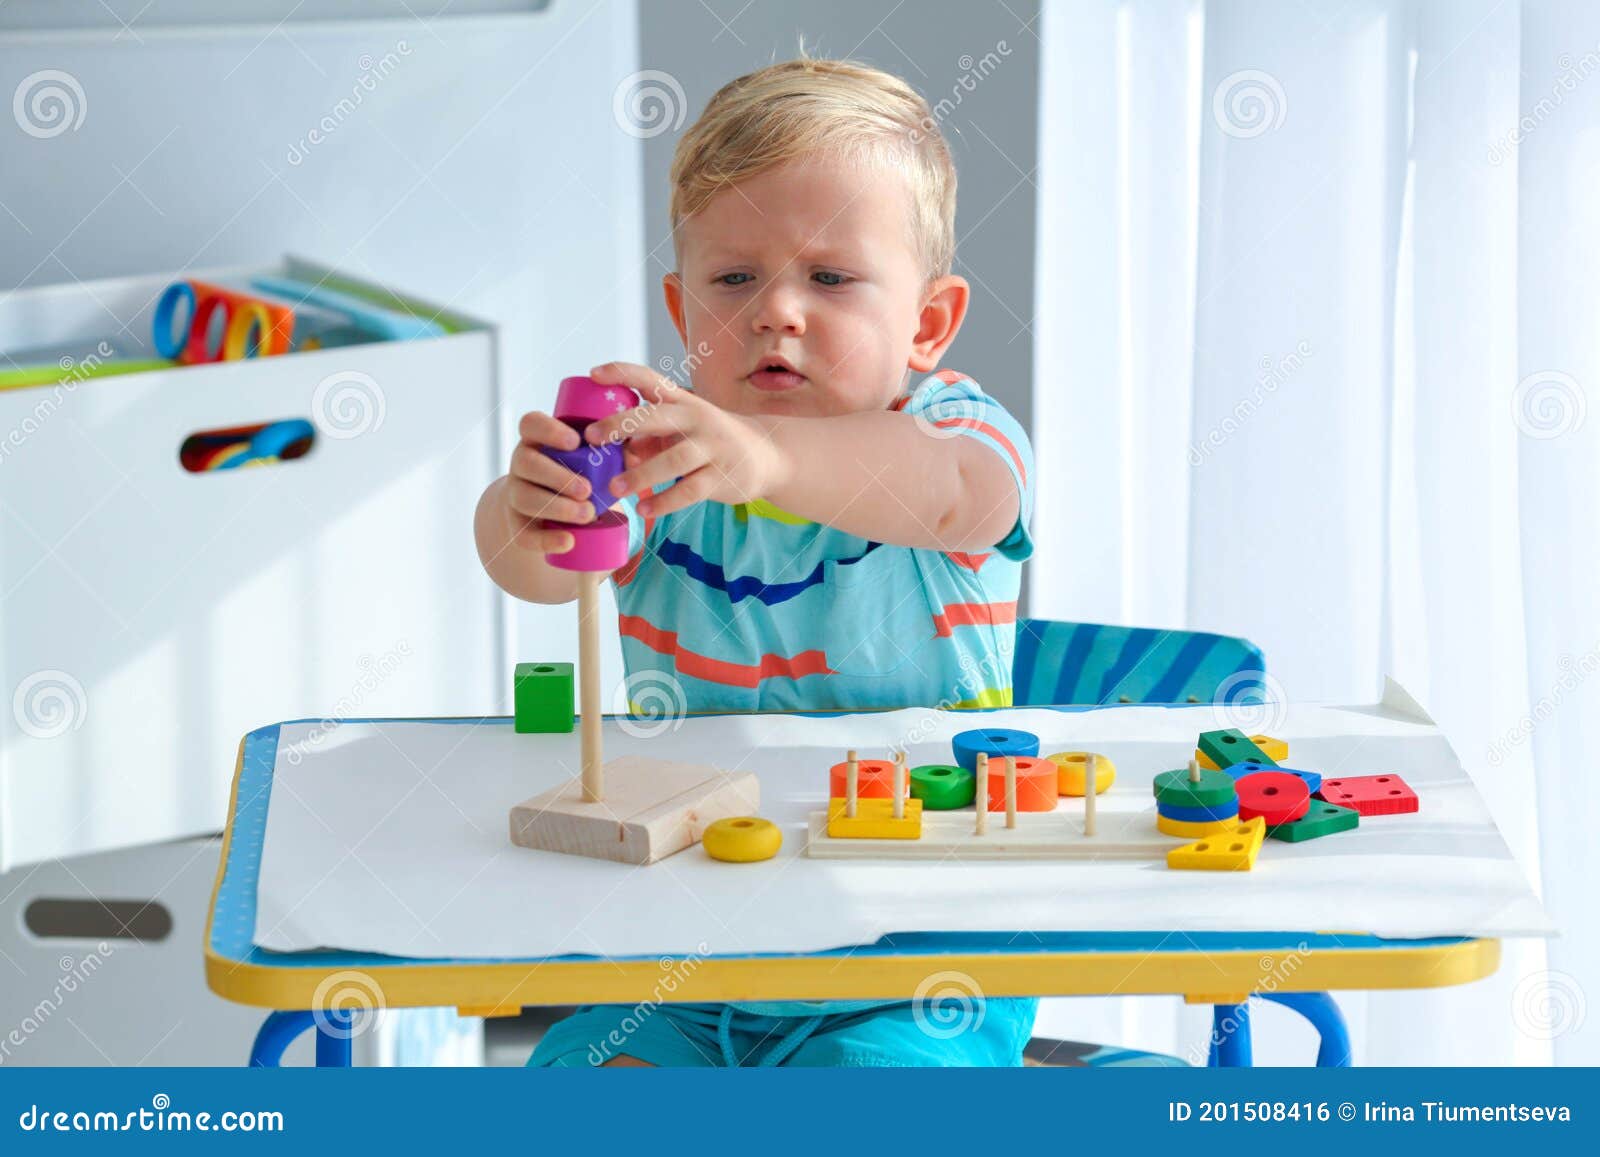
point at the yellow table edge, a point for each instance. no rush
(503, 988)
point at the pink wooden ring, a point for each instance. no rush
(601, 545)
(580, 401)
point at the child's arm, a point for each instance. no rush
(516, 568)
(884, 476)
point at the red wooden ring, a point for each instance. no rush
(1276, 796)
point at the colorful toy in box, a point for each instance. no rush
(198, 322)
(246, 445)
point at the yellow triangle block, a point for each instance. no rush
(1233, 850)
(874, 820)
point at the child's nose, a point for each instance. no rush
(778, 309)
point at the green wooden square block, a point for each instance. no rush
(1231, 746)
(544, 697)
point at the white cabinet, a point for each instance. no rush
(150, 616)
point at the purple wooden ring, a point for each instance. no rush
(583, 400)
(601, 545)
(599, 464)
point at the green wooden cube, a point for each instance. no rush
(544, 697)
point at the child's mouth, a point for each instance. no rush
(776, 376)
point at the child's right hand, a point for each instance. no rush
(538, 487)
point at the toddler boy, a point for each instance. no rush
(825, 519)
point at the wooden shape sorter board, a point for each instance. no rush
(652, 809)
(1056, 835)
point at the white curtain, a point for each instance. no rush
(1318, 325)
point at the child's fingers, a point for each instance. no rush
(684, 493)
(546, 540)
(651, 419)
(648, 384)
(636, 450)
(540, 429)
(528, 464)
(532, 501)
(684, 458)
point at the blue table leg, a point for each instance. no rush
(1323, 1012)
(1230, 1036)
(334, 1030)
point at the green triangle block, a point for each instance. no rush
(1322, 819)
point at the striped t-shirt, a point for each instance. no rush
(749, 608)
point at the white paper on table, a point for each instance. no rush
(393, 837)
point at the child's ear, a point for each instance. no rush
(944, 307)
(672, 290)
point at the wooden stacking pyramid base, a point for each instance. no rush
(1054, 835)
(652, 808)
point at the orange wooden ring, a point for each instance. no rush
(275, 332)
(1038, 784)
(874, 779)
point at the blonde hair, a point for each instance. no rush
(780, 113)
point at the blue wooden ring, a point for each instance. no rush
(166, 344)
(1198, 815)
(998, 742)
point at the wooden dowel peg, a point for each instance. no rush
(589, 684)
(899, 785)
(1091, 789)
(981, 799)
(1194, 771)
(1011, 791)
(852, 771)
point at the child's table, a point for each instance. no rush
(1218, 967)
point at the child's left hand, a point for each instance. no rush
(715, 455)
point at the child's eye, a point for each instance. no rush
(733, 279)
(828, 277)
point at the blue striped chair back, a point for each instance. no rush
(1058, 662)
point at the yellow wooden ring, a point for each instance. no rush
(1276, 750)
(250, 318)
(1072, 767)
(742, 839)
(1192, 830)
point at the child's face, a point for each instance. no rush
(800, 291)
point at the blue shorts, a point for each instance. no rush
(836, 1034)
